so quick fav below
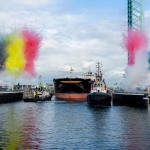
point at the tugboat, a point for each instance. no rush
(38, 97)
(39, 94)
(72, 89)
(99, 95)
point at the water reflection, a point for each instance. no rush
(70, 125)
(135, 124)
(11, 129)
(29, 137)
(121, 128)
(19, 129)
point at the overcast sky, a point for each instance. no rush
(76, 33)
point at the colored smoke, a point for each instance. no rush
(32, 42)
(19, 51)
(136, 44)
(15, 61)
(134, 41)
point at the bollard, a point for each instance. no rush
(145, 102)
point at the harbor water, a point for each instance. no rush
(67, 125)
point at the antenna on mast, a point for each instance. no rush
(40, 79)
(40, 82)
(98, 66)
(71, 70)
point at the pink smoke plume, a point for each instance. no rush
(134, 41)
(136, 44)
(31, 49)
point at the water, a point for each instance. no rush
(66, 125)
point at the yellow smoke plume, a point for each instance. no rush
(15, 61)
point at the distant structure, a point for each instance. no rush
(136, 14)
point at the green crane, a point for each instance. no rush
(136, 14)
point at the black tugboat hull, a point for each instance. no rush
(99, 99)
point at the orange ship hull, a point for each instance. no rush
(72, 96)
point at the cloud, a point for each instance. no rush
(17, 5)
(69, 39)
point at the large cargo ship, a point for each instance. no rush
(72, 88)
(75, 89)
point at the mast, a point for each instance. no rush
(71, 70)
(99, 81)
(98, 66)
(40, 79)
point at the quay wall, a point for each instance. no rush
(132, 98)
(6, 97)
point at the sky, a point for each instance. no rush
(75, 33)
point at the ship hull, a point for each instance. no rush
(72, 96)
(73, 89)
(99, 99)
